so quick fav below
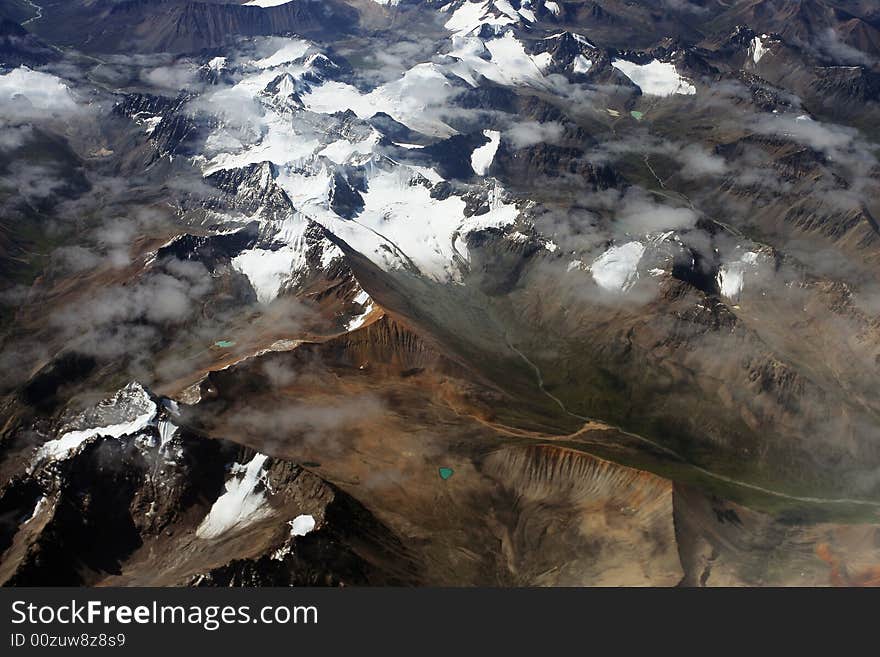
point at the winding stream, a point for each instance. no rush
(666, 450)
(37, 8)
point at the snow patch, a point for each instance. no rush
(329, 253)
(407, 99)
(279, 140)
(266, 3)
(580, 38)
(506, 8)
(616, 270)
(581, 64)
(358, 321)
(150, 123)
(758, 48)
(731, 275)
(242, 504)
(292, 50)
(133, 409)
(302, 525)
(37, 508)
(171, 406)
(362, 298)
(507, 62)
(403, 227)
(471, 15)
(528, 14)
(655, 78)
(341, 151)
(268, 270)
(481, 158)
(167, 430)
(510, 56)
(730, 280)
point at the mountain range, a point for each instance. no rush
(499, 293)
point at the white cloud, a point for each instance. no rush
(528, 133)
(23, 90)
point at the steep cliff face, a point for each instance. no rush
(186, 26)
(144, 501)
(566, 499)
(808, 23)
